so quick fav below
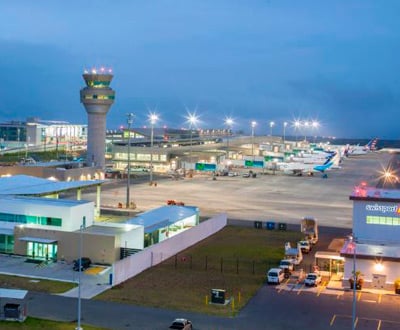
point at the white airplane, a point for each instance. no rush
(362, 150)
(299, 169)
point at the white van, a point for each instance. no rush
(275, 276)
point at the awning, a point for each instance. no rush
(38, 240)
(328, 255)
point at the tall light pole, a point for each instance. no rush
(192, 119)
(315, 126)
(306, 124)
(271, 124)
(82, 227)
(229, 123)
(153, 119)
(352, 245)
(253, 125)
(297, 125)
(128, 181)
(284, 131)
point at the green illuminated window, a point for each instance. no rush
(388, 221)
(31, 219)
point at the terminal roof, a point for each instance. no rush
(163, 216)
(29, 185)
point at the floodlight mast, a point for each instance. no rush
(128, 181)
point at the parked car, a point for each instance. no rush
(313, 279)
(275, 276)
(286, 264)
(85, 264)
(305, 246)
(182, 324)
(246, 175)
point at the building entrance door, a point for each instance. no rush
(378, 281)
(42, 251)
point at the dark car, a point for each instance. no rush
(85, 264)
(182, 324)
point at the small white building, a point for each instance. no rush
(375, 242)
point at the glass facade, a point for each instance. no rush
(380, 220)
(99, 97)
(6, 243)
(31, 219)
(45, 251)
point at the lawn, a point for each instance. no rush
(32, 323)
(31, 284)
(235, 259)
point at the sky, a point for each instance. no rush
(335, 62)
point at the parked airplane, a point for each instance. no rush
(362, 150)
(301, 168)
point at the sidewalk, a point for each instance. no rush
(338, 285)
(91, 284)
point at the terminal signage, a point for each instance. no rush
(254, 163)
(205, 167)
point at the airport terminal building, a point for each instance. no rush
(35, 223)
(375, 243)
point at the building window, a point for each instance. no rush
(31, 219)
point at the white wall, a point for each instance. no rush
(368, 269)
(71, 213)
(153, 255)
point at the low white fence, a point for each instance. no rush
(153, 255)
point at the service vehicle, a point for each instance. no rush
(275, 276)
(312, 279)
(293, 254)
(309, 227)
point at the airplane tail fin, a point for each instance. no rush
(371, 145)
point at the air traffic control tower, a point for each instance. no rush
(97, 98)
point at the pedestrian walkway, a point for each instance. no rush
(92, 283)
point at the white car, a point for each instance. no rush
(286, 264)
(313, 279)
(275, 276)
(305, 246)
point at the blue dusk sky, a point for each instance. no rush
(336, 62)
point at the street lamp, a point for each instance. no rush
(271, 124)
(253, 125)
(297, 125)
(82, 227)
(153, 119)
(306, 124)
(315, 126)
(193, 120)
(284, 131)
(128, 181)
(352, 245)
(229, 123)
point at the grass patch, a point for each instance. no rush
(32, 323)
(32, 284)
(235, 259)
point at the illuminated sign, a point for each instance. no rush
(205, 167)
(254, 163)
(382, 208)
